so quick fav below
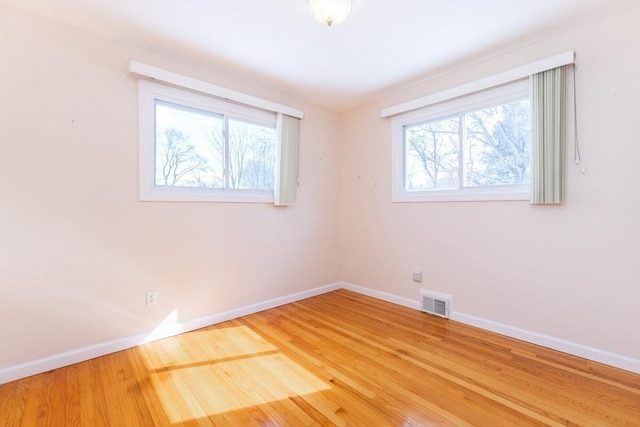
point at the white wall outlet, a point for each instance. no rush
(152, 297)
(417, 276)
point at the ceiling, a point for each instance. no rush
(383, 43)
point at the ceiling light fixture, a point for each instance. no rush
(330, 12)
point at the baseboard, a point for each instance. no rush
(575, 349)
(595, 354)
(55, 361)
(38, 366)
(384, 296)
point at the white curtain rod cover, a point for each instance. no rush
(159, 74)
(481, 84)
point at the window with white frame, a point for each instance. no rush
(475, 147)
(200, 148)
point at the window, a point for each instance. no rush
(475, 147)
(200, 148)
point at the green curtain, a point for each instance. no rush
(287, 163)
(548, 136)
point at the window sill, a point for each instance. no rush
(498, 193)
(187, 194)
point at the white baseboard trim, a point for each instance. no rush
(405, 302)
(575, 349)
(595, 354)
(55, 361)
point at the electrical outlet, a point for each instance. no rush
(152, 297)
(417, 276)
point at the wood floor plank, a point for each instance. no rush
(13, 398)
(458, 391)
(337, 359)
(30, 413)
(361, 387)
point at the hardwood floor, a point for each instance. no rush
(335, 359)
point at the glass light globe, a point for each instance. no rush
(330, 12)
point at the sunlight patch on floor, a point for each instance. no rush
(221, 370)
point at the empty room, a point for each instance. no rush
(319, 213)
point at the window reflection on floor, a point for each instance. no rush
(221, 370)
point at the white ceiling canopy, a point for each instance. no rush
(381, 44)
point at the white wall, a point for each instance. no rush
(570, 272)
(78, 250)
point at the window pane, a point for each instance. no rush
(497, 145)
(189, 147)
(252, 156)
(431, 152)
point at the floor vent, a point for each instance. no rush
(436, 303)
